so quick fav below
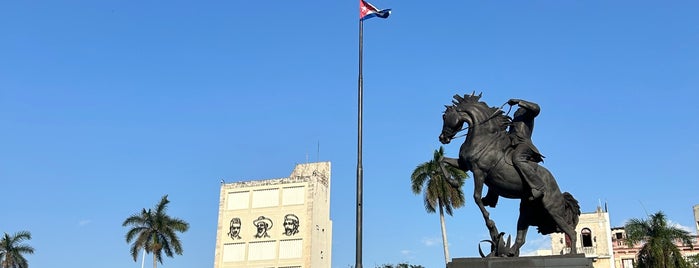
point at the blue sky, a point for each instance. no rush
(105, 106)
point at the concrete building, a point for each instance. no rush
(276, 223)
(594, 239)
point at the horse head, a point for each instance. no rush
(452, 124)
(470, 110)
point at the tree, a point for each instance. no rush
(693, 260)
(439, 193)
(659, 249)
(155, 231)
(11, 250)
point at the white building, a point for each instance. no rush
(276, 223)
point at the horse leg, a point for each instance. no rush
(451, 162)
(569, 231)
(557, 206)
(552, 206)
(491, 198)
(478, 181)
(454, 162)
(522, 228)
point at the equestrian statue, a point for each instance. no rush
(498, 150)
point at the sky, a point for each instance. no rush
(106, 106)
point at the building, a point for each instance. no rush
(625, 256)
(594, 239)
(605, 245)
(276, 223)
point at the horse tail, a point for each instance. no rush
(572, 209)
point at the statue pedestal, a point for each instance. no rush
(567, 261)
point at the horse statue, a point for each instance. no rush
(487, 153)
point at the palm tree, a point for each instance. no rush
(659, 249)
(11, 250)
(693, 260)
(155, 231)
(439, 192)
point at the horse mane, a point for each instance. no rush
(495, 114)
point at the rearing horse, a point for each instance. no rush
(487, 153)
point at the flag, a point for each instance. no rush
(367, 11)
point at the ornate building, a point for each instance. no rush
(276, 223)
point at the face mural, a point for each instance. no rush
(234, 229)
(291, 224)
(263, 224)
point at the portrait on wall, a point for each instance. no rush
(234, 229)
(263, 224)
(291, 225)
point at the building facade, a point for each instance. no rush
(625, 256)
(607, 246)
(276, 223)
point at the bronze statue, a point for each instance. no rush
(507, 162)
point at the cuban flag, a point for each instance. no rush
(367, 11)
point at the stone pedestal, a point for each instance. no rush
(567, 261)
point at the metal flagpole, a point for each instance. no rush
(360, 172)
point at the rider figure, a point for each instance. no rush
(525, 156)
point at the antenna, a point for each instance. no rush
(644, 207)
(318, 153)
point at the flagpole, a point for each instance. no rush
(360, 172)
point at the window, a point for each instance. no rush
(619, 235)
(627, 263)
(290, 249)
(238, 200)
(265, 198)
(261, 251)
(234, 252)
(293, 195)
(586, 237)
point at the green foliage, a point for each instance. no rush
(155, 231)
(12, 249)
(693, 261)
(438, 191)
(659, 249)
(443, 189)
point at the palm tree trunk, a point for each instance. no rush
(155, 261)
(444, 234)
